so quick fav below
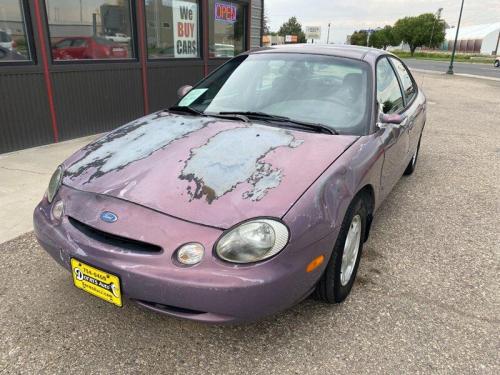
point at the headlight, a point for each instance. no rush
(252, 241)
(55, 183)
(58, 210)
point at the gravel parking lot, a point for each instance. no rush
(427, 297)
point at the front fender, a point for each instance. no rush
(320, 210)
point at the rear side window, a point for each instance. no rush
(4, 37)
(405, 77)
(104, 41)
(79, 43)
(389, 93)
(64, 44)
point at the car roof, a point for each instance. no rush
(339, 50)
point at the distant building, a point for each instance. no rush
(271, 40)
(482, 39)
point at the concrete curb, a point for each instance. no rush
(456, 74)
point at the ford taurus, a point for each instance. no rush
(256, 190)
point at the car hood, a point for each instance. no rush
(210, 171)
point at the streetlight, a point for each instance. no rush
(450, 69)
(438, 14)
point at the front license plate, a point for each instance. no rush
(97, 282)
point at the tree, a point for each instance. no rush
(359, 38)
(418, 31)
(293, 27)
(383, 38)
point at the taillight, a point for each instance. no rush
(14, 44)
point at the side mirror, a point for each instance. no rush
(183, 90)
(392, 118)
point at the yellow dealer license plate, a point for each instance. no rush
(97, 282)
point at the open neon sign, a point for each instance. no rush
(225, 12)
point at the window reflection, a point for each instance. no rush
(226, 28)
(388, 91)
(90, 29)
(406, 80)
(14, 44)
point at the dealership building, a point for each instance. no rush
(70, 68)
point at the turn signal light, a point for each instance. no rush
(315, 263)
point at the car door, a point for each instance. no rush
(414, 109)
(394, 137)
(60, 50)
(79, 48)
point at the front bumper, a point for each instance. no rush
(211, 291)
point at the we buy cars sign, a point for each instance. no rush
(185, 17)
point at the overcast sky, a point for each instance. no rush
(349, 15)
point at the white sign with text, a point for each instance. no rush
(313, 32)
(185, 18)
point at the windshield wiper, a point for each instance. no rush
(186, 109)
(191, 110)
(320, 128)
(255, 115)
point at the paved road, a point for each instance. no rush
(464, 68)
(426, 300)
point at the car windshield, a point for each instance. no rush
(320, 89)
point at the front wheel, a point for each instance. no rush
(337, 280)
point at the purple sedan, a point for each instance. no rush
(256, 190)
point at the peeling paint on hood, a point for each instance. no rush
(202, 169)
(132, 142)
(221, 164)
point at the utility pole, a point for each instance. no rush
(450, 69)
(434, 25)
(496, 48)
(328, 35)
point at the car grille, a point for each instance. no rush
(113, 239)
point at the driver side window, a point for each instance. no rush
(389, 93)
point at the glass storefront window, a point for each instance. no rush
(14, 43)
(90, 29)
(172, 28)
(226, 29)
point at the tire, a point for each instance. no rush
(412, 165)
(331, 288)
(497, 63)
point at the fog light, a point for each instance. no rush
(58, 210)
(190, 253)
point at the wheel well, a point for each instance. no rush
(368, 195)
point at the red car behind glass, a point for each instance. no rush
(84, 47)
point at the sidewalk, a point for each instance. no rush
(24, 176)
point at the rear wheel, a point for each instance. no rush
(337, 280)
(497, 63)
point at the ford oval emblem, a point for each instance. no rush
(108, 217)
